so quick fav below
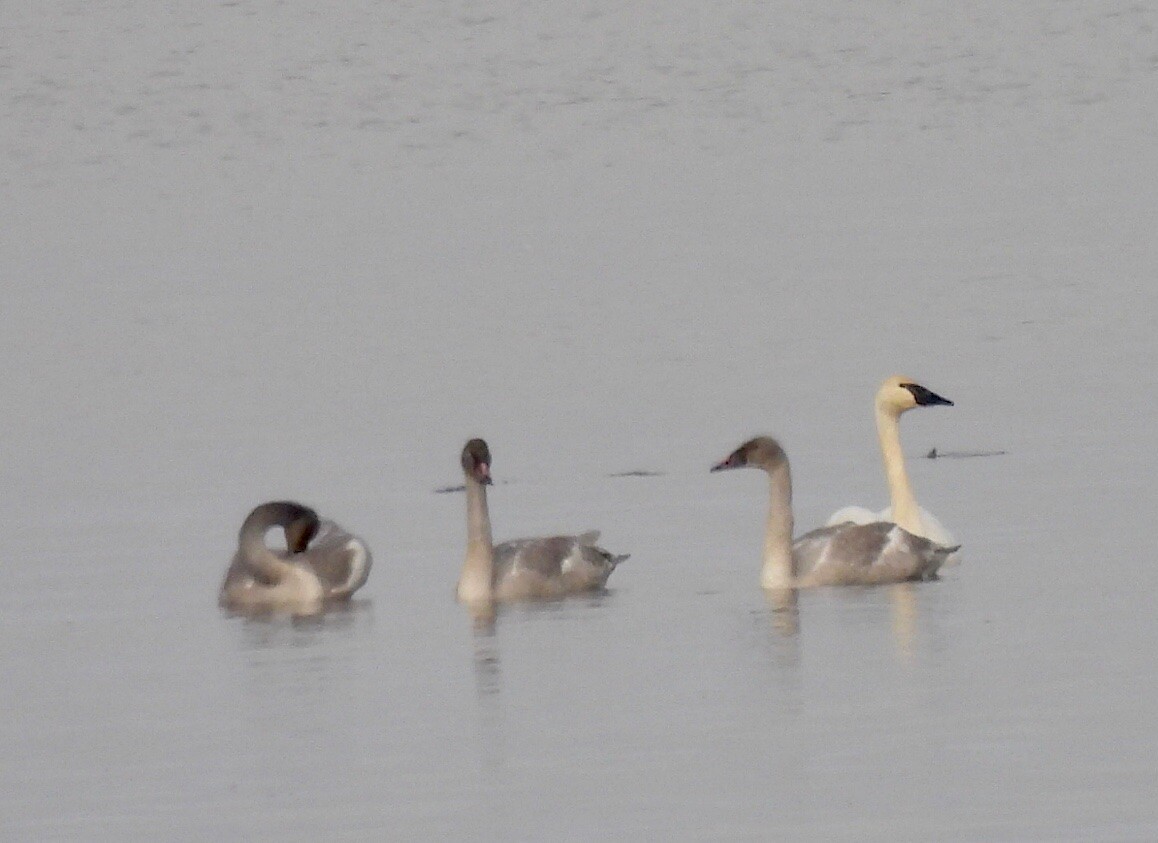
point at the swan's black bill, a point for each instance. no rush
(926, 397)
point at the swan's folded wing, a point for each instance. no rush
(341, 560)
(542, 555)
(572, 563)
(811, 550)
(934, 531)
(864, 554)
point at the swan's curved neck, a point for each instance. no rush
(257, 555)
(778, 570)
(281, 582)
(476, 582)
(906, 512)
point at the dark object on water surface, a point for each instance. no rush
(934, 454)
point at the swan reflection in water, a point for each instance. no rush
(783, 616)
(272, 630)
(784, 608)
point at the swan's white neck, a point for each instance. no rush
(778, 570)
(476, 582)
(906, 512)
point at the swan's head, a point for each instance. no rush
(899, 393)
(476, 461)
(301, 528)
(300, 523)
(762, 452)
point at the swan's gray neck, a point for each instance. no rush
(251, 540)
(476, 582)
(906, 513)
(778, 570)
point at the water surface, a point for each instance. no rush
(263, 250)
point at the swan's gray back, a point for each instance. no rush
(567, 563)
(340, 559)
(866, 554)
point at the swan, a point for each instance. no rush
(523, 569)
(844, 554)
(898, 395)
(322, 562)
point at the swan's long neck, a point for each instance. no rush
(476, 582)
(906, 512)
(778, 570)
(251, 542)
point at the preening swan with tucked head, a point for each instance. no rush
(523, 569)
(322, 562)
(898, 395)
(846, 554)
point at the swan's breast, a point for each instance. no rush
(302, 586)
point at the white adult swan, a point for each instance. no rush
(898, 395)
(523, 569)
(845, 554)
(322, 562)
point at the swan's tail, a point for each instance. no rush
(951, 557)
(939, 558)
(590, 538)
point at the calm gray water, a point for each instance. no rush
(269, 249)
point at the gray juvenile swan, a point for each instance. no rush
(845, 554)
(322, 562)
(523, 569)
(898, 395)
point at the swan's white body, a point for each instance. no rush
(931, 528)
(898, 395)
